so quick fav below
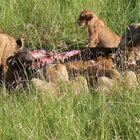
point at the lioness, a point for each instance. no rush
(130, 42)
(9, 46)
(99, 34)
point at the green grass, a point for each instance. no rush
(52, 23)
(33, 115)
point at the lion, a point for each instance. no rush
(130, 80)
(99, 34)
(9, 46)
(56, 73)
(104, 84)
(131, 41)
(131, 37)
(130, 46)
(45, 87)
(102, 66)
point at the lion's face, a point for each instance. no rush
(85, 17)
(131, 38)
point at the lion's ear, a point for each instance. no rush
(20, 43)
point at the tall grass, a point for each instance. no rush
(52, 23)
(37, 115)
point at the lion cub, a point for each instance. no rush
(99, 34)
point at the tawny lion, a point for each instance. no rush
(99, 34)
(9, 46)
(103, 66)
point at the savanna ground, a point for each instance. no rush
(30, 114)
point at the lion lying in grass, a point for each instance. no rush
(103, 66)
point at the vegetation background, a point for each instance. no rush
(37, 115)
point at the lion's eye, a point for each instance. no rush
(83, 18)
(86, 18)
